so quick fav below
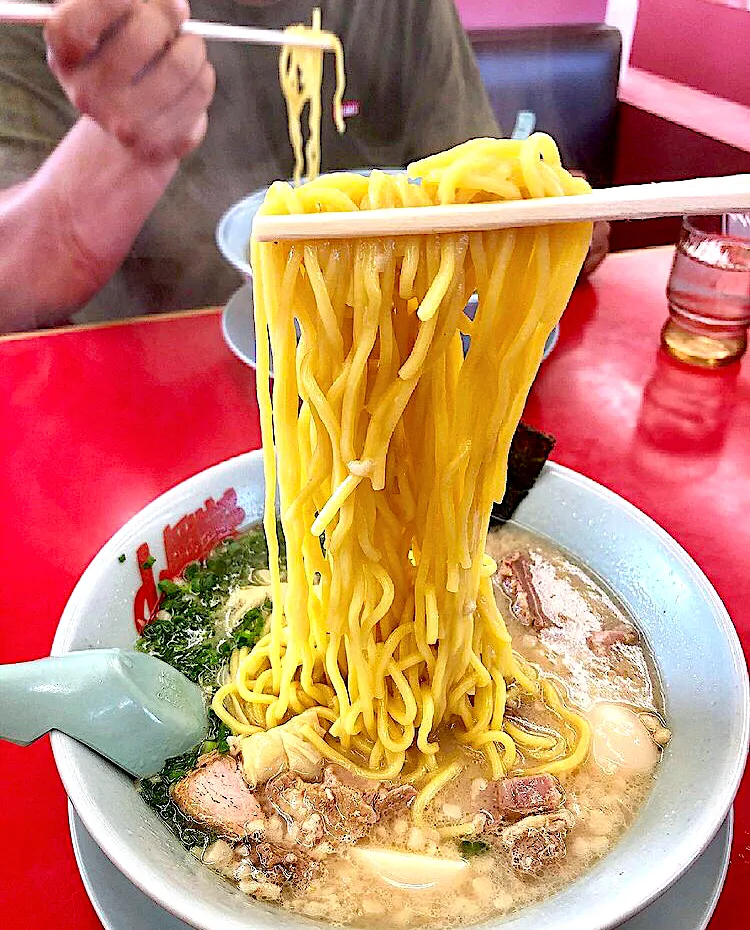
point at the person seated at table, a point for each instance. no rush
(113, 176)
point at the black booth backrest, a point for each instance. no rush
(567, 76)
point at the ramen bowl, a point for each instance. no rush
(233, 231)
(697, 654)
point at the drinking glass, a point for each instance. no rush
(709, 291)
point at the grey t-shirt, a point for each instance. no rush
(413, 88)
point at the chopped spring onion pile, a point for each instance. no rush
(184, 634)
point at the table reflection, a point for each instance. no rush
(683, 419)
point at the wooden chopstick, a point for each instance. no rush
(32, 14)
(729, 194)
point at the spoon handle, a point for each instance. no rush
(129, 707)
(38, 696)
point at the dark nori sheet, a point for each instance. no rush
(529, 450)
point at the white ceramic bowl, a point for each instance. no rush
(233, 231)
(698, 655)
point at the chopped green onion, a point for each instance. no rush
(168, 587)
(185, 633)
(471, 848)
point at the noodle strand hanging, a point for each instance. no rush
(389, 445)
(301, 79)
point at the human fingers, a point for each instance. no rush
(76, 28)
(598, 248)
(80, 29)
(171, 131)
(136, 72)
(128, 55)
(84, 34)
(170, 76)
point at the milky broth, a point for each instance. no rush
(571, 596)
(347, 890)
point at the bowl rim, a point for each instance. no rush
(200, 914)
(242, 263)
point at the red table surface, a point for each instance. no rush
(96, 422)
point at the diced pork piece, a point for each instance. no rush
(602, 641)
(536, 842)
(510, 798)
(281, 866)
(389, 801)
(216, 796)
(336, 775)
(515, 580)
(386, 799)
(534, 850)
(336, 813)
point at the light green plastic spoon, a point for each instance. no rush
(132, 708)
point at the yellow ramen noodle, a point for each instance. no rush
(389, 446)
(301, 78)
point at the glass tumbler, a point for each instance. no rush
(709, 291)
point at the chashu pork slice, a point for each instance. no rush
(507, 799)
(216, 796)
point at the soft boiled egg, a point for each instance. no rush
(620, 740)
(408, 870)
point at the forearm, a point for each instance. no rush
(66, 229)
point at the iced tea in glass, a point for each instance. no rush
(709, 291)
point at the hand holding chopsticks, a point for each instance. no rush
(139, 69)
(127, 66)
(14, 11)
(638, 201)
